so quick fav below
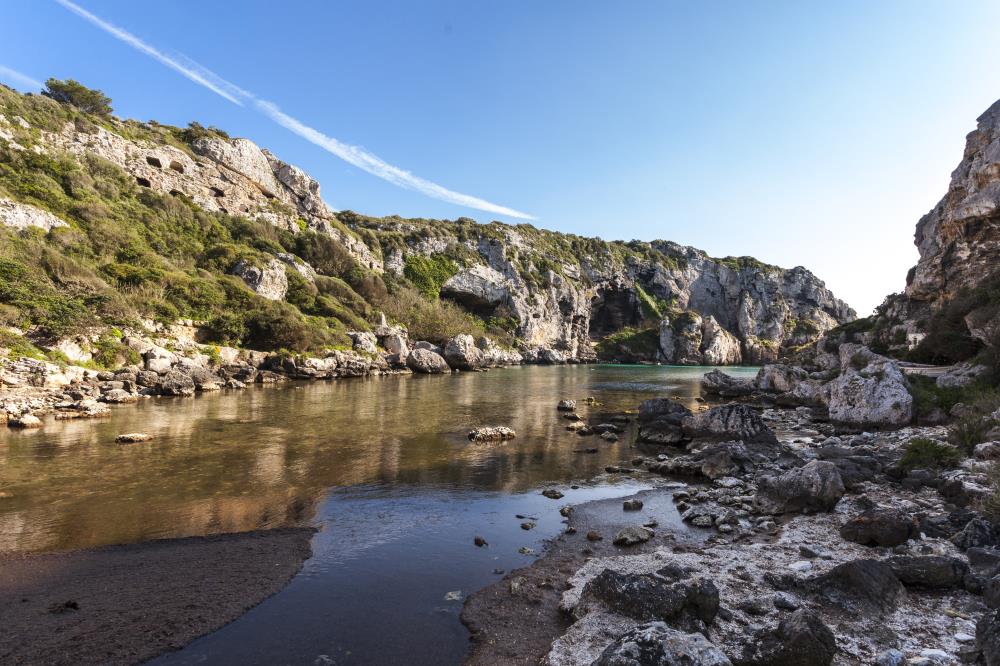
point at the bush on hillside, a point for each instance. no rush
(72, 92)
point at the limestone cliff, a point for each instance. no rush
(566, 293)
(555, 296)
(948, 311)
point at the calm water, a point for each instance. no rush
(382, 464)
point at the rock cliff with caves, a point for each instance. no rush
(141, 225)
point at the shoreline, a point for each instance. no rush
(126, 604)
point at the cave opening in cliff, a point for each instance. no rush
(216, 192)
(154, 162)
(177, 166)
(611, 310)
(144, 182)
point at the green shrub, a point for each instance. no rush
(110, 352)
(630, 344)
(86, 99)
(427, 274)
(923, 453)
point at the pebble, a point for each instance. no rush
(480, 541)
(527, 526)
(552, 493)
(524, 550)
(632, 505)
(593, 535)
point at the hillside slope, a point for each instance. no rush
(112, 223)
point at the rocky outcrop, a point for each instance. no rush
(870, 390)
(22, 216)
(959, 246)
(268, 281)
(817, 486)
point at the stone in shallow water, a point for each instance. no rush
(492, 434)
(631, 536)
(133, 437)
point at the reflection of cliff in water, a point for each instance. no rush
(237, 461)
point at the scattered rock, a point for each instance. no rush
(566, 406)
(480, 542)
(552, 493)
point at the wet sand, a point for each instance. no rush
(515, 620)
(125, 604)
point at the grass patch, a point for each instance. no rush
(923, 453)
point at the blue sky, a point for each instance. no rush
(810, 134)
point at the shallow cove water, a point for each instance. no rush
(382, 465)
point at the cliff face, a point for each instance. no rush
(558, 296)
(948, 311)
(567, 293)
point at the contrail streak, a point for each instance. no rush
(354, 155)
(17, 77)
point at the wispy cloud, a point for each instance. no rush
(355, 155)
(17, 78)
(196, 73)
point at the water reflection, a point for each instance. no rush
(264, 457)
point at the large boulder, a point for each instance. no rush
(670, 595)
(661, 421)
(880, 527)
(816, 486)
(269, 281)
(462, 353)
(427, 362)
(867, 587)
(799, 640)
(719, 383)
(728, 422)
(988, 638)
(656, 644)
(870, 391)
(176, 383)
(929, 571)
(779, 378)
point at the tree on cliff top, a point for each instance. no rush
(75, 93)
